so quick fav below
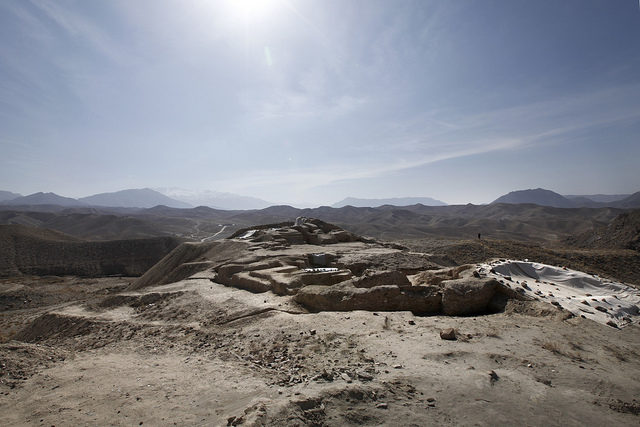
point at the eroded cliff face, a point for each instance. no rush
(31, 251)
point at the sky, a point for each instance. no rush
(308, 102)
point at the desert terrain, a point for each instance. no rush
(313, 325)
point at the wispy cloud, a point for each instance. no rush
(436, 136)
(314, 176)
(82, 28)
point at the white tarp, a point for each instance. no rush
(583, 294)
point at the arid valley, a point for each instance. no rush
(308, 323)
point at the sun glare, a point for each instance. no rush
(253, 11)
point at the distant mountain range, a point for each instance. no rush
(542, 197)
(396, 201)
(215, 199)
(43, 199)
(133, 198)
(137, 198)
(600, 198)
(145, 198)
(8, 195)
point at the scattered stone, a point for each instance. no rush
(382, 405)
(493, 377)
(411, 322)
(346, 377)
(448, 334)
(397, 366)
(601, 308)
(364, 376)
(312, 332)
(431, 399)
(612, 324)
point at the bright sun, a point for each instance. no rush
(253, 11)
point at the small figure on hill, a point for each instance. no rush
(479, 236)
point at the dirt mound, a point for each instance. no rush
(54, 326)
(34, 251)
(621, 233)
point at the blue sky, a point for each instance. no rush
(307, 102)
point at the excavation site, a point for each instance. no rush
(305, 323)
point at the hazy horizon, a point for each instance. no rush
(309, 102)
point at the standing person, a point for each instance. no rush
(479, 237)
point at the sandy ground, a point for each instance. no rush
(199, 353)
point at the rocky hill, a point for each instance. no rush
(621, 233)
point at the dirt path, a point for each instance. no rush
(206, 239)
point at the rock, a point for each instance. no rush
(345, 377)
(601, 308)
(382, 405)
(234, 421)
(448, 334)
(493, 377)
(612, 324)
(312, 332)
(411, 322)
(364, 376)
